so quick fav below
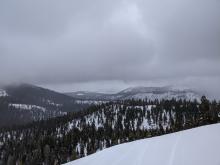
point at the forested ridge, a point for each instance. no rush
(79, 134)
(25, 103)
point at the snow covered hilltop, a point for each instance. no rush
(198, 146)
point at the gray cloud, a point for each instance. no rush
(67, 42)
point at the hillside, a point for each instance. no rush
(196, 146)
(23, 103)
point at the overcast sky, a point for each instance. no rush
(102, 45)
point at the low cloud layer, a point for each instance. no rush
(72, 42)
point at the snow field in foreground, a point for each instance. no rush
(198, 146)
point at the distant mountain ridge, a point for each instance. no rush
(25, 102)
(150, 93)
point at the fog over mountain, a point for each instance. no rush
(111, 45)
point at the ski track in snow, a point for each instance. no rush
(198, 146)
(174, 150)
(140, 159)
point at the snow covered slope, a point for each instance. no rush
(199, 146)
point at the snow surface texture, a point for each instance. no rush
(90, 102)
(198, 146)
(27, 107)
(3, 93)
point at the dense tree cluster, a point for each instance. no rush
(78, 134)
